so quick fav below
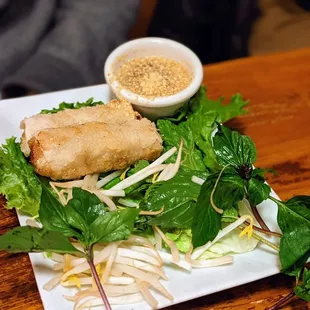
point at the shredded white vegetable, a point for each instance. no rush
(112, 193)
(197, 180)
(70, 184)
(108, 178)
(108, 201)
(176, 166)
(127, 203)
(138, 176)
(90, 181)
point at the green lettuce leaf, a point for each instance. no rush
(182, 239)
(230, 244)
(18, 181)
(77, 105)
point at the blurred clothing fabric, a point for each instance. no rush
(215, 30)
(48, 45)
(283, 25)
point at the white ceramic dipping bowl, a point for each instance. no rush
(159, 106)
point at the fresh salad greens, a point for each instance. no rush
(18, 182)
(65, 105)
(191, 214)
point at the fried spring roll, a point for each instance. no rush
(115, 111)
(74, 151)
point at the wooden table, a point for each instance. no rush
(278, 87)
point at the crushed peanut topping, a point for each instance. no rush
(153, 76)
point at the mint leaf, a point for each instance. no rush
(77, 105)
(31, 239)
(18, 181)
(178, 196)
(233, 148)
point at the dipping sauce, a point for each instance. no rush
(153, 76)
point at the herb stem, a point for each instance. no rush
(267, 232)
(263, 240)
(259, 218)
(282, 301)
(96, 278)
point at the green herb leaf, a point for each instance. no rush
(172, 134)
(294, 222)
(113, 226)
(202, 125)
(53, 215)
(201, 103)
(178, 196)
(87, 205)
(207, 222)
(229, 190)
(303, 290)
(18, 182)
(233, 148)
(64, 105)
(258, 190)
(85, 218)
(31, 239)
(230, 215)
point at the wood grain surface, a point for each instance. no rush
(278, 87)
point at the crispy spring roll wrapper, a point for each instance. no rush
(115, 111)
(74, 151)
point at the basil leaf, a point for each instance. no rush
(113, 226)
(229, 190)
(18, 181)
(233, 148)
(87, 205)
(206, 221)
(258, 190)
(178, 196)
(77, 105)
(294, 222)
(303, 290)
(172, 134)
(31, 239)
(296, 269)
(53, 215)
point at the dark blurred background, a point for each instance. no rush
(49, 45)
(227, 29)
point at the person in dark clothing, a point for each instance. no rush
(49, 45)
(215, 30)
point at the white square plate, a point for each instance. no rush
(248, 267)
